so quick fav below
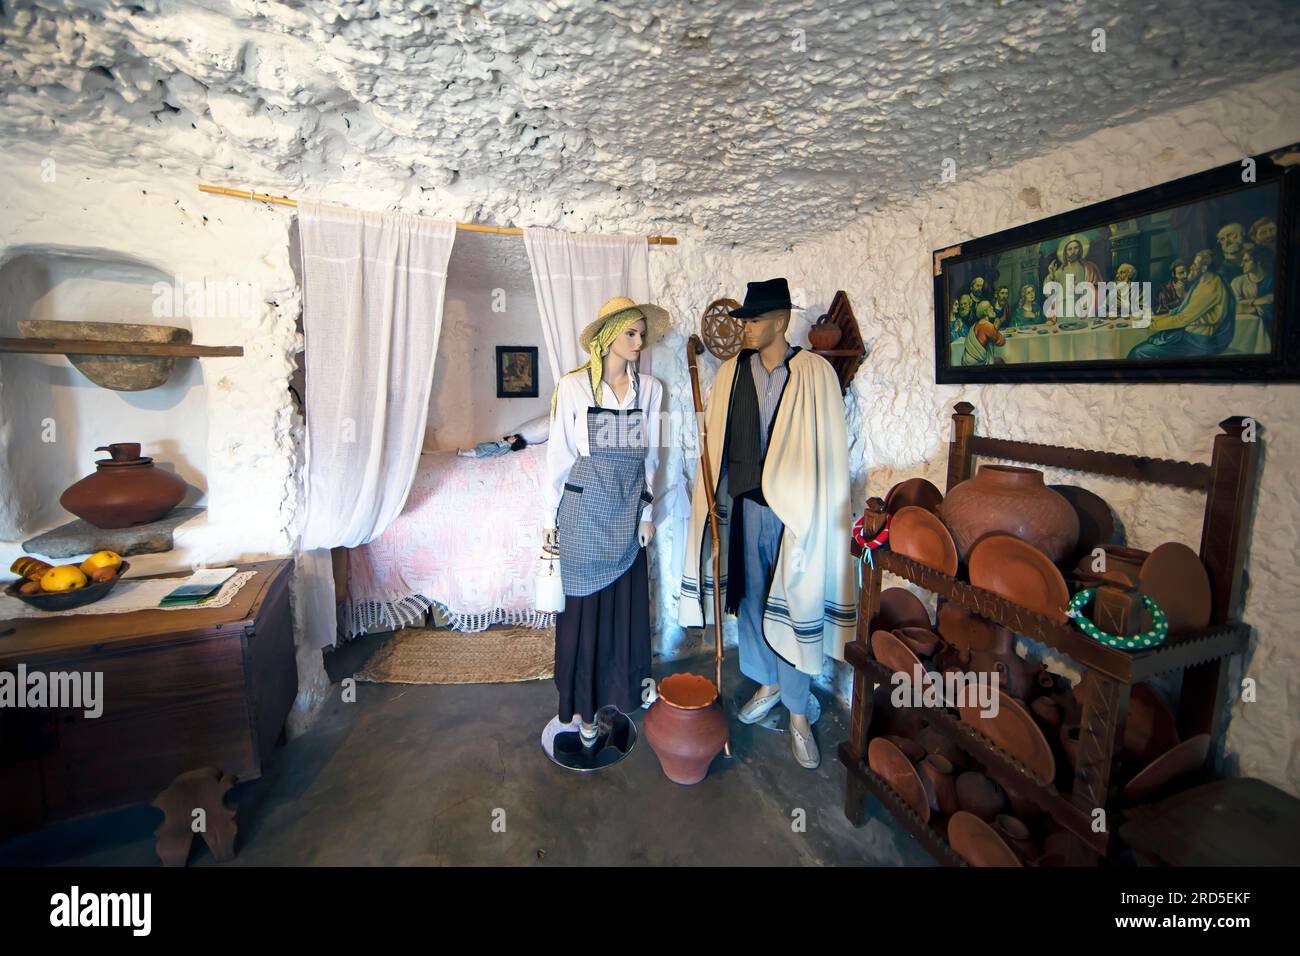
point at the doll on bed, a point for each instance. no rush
(491, 449)
(534, 432)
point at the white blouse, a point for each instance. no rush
(569, 437)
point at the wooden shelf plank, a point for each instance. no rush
(92, 347)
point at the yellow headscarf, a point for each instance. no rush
(614, 326)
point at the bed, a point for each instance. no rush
(465, 548)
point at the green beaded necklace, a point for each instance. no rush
(1159, 628)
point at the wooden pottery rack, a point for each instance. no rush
(851, 350)
(1109, 674)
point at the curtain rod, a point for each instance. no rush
(466, 226)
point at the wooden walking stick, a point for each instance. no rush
(695, 347)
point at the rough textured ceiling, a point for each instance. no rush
(759, 124)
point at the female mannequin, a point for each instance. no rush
(601, 460)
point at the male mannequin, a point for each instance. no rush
(776, 428)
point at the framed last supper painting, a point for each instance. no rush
(1192, 280)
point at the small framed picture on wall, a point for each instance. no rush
(516, 371)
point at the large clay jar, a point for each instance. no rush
(1014, 501)
(124, 490)
(686, 727)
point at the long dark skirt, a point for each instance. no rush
(602, 646)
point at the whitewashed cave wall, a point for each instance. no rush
(899, 419)
(53, 201)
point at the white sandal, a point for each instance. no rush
(805, 749)
(756, 708)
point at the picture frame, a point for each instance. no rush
(516, 371)
(1097, 296)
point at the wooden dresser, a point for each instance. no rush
(196, 694)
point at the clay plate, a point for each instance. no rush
(920, 535)
(894, 654)
(1151, 728)
(1174, 577)
(1188, 756)
(913, 491)
(1019, 572)
(892, 764)
(978, 843)
(1096, 523)
(1016, 732)
(899, 607)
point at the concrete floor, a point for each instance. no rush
(413, 775)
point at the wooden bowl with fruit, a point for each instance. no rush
(49, 588)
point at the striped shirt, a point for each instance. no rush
(769, 386)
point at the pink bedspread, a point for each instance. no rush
(467, 540)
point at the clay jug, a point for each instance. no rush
(825, 335)
(686, 727)
(1014, 501)
(124, 490)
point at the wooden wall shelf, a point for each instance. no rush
(851, 350)
(90, 347)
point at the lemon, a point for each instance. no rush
(101, 559)
(66, 577)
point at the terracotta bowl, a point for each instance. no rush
(921, 641)
(920, 535)
(1096, 522)
(1187, 757)
(913, 491)
(899, 607)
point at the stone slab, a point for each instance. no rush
(80, 537)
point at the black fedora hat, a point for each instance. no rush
(767, 296)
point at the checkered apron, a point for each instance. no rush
(602, 501)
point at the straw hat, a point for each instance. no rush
(656, 319)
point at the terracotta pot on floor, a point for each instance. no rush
(686, 727)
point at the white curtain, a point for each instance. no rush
(373, 287)
(573, 276)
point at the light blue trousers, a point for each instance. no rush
(757, 659)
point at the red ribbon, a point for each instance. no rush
(875, 542)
